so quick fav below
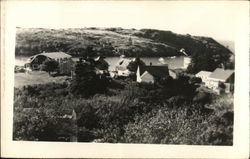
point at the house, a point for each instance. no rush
(186, 58)
(173, 71)
(148, 74)
(221, 76)
(204, 76)
(64, 60)
(186, 61)
(121, 67)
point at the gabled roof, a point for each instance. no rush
(203, 73)
(156, 71)
(122, 64)
(52, 55)
(56, 55)
(221, 74)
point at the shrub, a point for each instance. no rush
(50, 66)
(39, 124)
(183, 125)
(86, 82)
(133, 65)
(195, 80)
(202, 97)
(140, 113)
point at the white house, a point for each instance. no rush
(204, 76)
(121, 67)
(186, 61)
(186, 58)
(218, 76)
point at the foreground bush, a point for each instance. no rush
(134, 113)
(191, 124)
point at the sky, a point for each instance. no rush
(213, 19)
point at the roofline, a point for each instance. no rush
(217, 79)
(144, 73)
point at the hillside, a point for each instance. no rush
(113, 42)
(228, 44)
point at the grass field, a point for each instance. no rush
(36, 77)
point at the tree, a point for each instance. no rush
(195, 80)
(50, 66)
(102, 64)
(90, 51)
(133, 65)
(86, 81)
(40, 124)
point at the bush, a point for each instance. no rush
(86, 82)
(195, 80)
(139, 113)
(183, 125)
(39, 124)
(202, 97)
(133, 65)
(50, 66)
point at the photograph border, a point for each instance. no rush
(240, 148)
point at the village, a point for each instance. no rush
(220, 80)
(97, 98)
(89, 99)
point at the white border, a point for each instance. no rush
(240, 149)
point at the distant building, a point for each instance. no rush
(121, 67)
(64, 60)
(173, 73)
(186, 61)
(148, 74)
(219, 75)
(204, 76)
(186, 58)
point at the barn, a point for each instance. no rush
(64, 60)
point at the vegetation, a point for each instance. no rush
(113, 42)
(127, 112)
(50, 66)
(86, 81)
(133, 65)
(92, 107)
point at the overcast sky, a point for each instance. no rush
(212, 19)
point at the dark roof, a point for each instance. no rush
(156, 71)
(221, 74)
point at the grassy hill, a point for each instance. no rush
(113, 42)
